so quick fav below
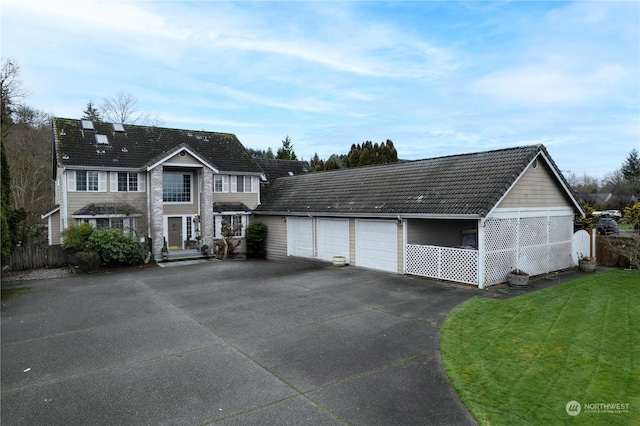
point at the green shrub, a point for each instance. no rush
(75, 237)
(115, 247)
(256, 240)
(87, 261)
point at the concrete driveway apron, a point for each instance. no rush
(235, 342)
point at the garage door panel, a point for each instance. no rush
(299, 237)
(333, 238)
(377, 245)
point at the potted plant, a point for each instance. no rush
(205, 249)
(586, 263)
(518, 278)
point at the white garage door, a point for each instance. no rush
(333, 238)
(377, 244)
(299, 237)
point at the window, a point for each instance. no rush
(244, 184)
(126, 225)
(220, 183)
(235, 221)
(176, 188)
(127, 182)
(86, 180)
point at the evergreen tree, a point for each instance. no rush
(91, 113)
(631, 167)
(286, 151)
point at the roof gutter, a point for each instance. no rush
(372, 214)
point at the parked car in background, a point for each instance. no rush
(607, 226)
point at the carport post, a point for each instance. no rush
(480, 272)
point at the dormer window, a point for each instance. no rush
(87, 125)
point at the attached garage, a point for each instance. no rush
(300, 236)
(377, 244)
(333, 238)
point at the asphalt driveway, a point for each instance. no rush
(233, 342)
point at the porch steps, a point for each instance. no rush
(179, 255)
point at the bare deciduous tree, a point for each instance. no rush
(123, 108)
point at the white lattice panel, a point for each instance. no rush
(422, 260)
(443, 263)
(536, 245)
(497, 265)
(560, 255)
(459, 265)
(500, 234)
(532, 231)
(560, 228)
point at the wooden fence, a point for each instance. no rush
(37, 256)
(610, 250)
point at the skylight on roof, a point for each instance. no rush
(87, 125)
(102, 139)
(118, 127)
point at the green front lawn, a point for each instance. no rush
(520, 361)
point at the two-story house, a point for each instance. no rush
(170, 186)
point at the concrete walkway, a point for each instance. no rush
(234, 342)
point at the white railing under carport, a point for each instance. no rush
(443, 263)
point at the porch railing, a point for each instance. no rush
(444, 263)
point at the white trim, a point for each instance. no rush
(481, 254)
(506, 213)
(49, 213)
(192, 153)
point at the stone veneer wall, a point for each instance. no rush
(206, 215)
(155, 210)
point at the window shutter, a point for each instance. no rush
(141, 183)
(234, 184)
(71, 180)
(113, 182)
(102, 181)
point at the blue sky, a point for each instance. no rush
(437, 78)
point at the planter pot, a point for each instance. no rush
(518, 280)
(339, 260)
(587, 265)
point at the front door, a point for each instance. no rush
(175, 232)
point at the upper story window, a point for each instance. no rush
(244, 184)
(220, 183)
(86, 180)
(176, 188)
(127, 182)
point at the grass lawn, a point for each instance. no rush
(521, 360)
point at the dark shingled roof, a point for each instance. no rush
(467, 184)
(102, 209)
(274, 169)
(230, 207)
(140, 146)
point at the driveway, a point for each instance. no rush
(234, 342)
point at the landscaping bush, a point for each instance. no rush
(115, 247)
(87, 261)
(75, 237)
(256, 240)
